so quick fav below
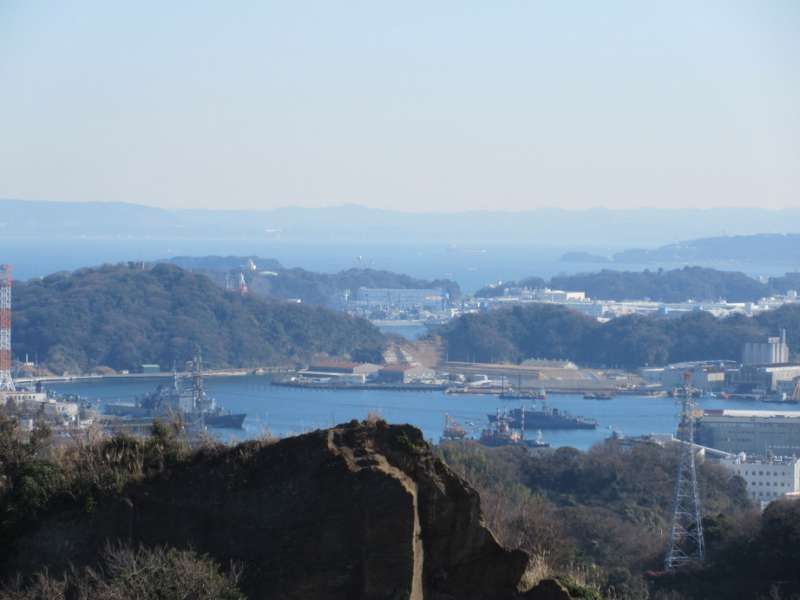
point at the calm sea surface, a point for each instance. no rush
(471, 268)
(289, 411)
(410, 332)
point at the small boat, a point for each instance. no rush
(598, 396)
(518, 393)
(500, 432)
(538, 442)
(680, 392)
(510, 394)
(453, 431)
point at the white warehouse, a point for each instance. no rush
(767, 479)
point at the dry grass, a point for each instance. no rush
(135, 574)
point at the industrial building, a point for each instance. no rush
(766, 479)
(400, 298)
(763, 378)
(343, 372)
(774, 351)
(759, 433)
(707, 376)
(342, 367)
(548, 295)
(403, 373)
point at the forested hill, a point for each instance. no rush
(122, 316)
(553, 331)
(676, 285)
(272, 280)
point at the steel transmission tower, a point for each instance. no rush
(6, 381)
(686, 544)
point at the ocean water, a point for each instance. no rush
(471, 266)
(410, 332)
(290, 411)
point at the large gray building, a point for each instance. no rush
(756, 432)
(772, 352)
(708, 376)
(765, 378)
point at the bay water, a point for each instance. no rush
(283, 411)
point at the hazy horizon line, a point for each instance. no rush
(408, 212)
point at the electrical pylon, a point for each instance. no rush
(686, 543)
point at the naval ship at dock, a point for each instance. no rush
(545, 418)
(185, 399)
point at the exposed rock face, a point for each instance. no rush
(357, 511)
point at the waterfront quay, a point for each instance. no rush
(395, 387)
(550, 376)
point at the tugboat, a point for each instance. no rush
(538, 442)
(500, 432)
(186, 398)
(546, 418)
(453, 431)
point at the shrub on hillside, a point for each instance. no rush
(126, 573)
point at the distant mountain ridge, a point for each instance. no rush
(354, 223)
(764, 247)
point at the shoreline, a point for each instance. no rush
(144, 376)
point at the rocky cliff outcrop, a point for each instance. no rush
(357, 511)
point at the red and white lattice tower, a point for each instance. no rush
(6, 381)
(242, 284)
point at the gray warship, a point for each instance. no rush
(185, 398)
(546, 418)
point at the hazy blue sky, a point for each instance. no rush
(409, 105)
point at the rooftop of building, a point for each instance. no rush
(333, 364)
(727, 412)
(773, 366)
(396, 368)
(702, 364)
(773, 460)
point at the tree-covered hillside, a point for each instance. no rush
(553, 331)
(122, 316)
(677, 285)
(324, 288)
(605, 512)
(272, 280)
